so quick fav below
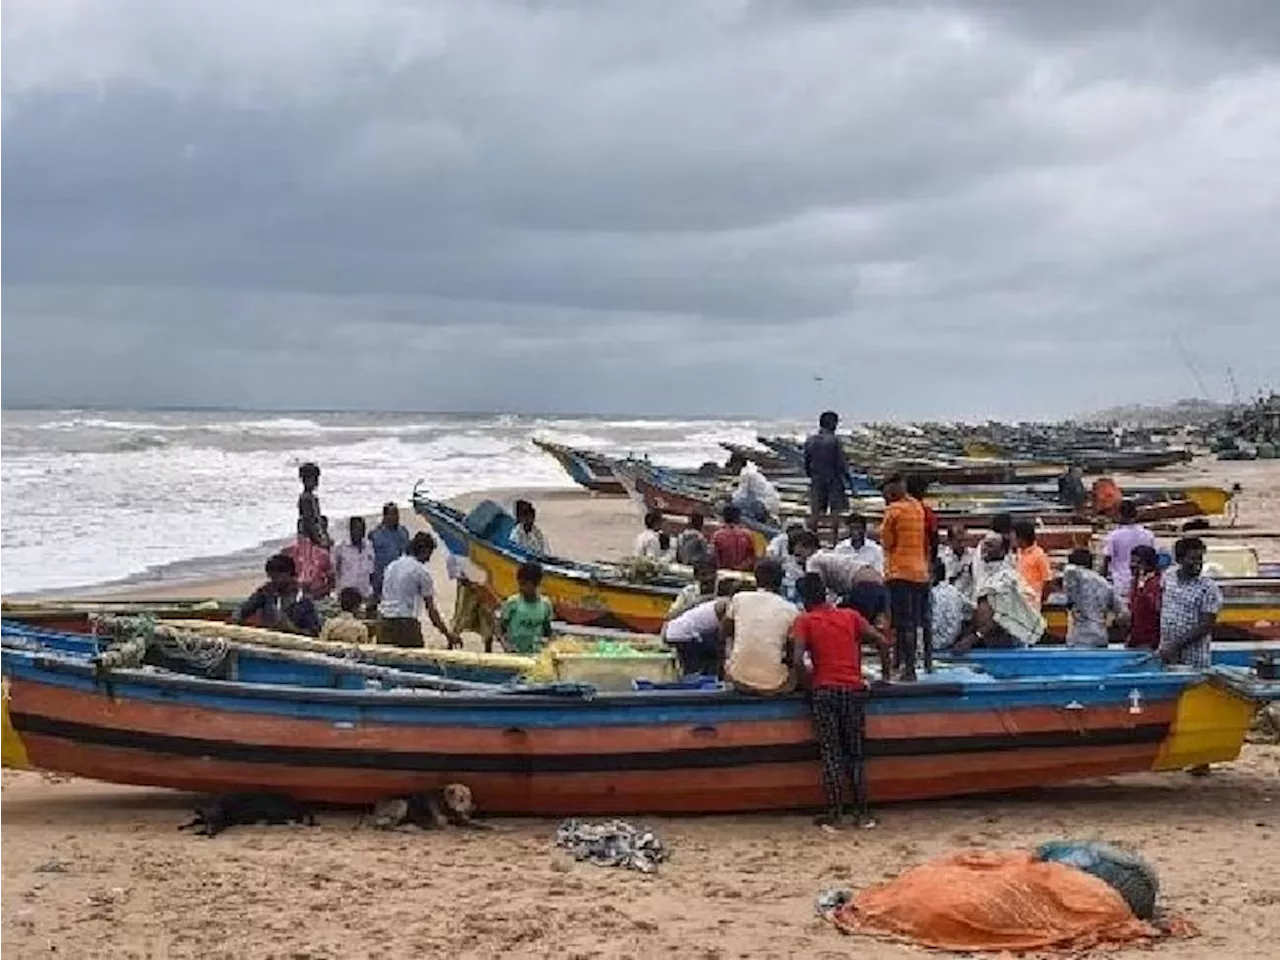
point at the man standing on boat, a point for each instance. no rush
(904, 535)
(406, 588)
(827, 469)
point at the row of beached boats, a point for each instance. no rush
(192, 704)
(970, 492)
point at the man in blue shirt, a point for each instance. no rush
(389, 541)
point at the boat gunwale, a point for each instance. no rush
(71, 665)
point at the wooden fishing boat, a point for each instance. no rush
(74, 616)
(588, 469)
(590, 594)
(323, 734)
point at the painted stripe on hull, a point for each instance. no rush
(783, 786)
(742, 723)
(445, 756)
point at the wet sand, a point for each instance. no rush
(95, 870)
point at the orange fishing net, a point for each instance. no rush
(994, 900)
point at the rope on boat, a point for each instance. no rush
(139, 635)
(134, 637)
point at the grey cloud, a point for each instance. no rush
(563, 205)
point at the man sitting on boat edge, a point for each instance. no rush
(280, 603)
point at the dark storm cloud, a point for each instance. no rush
(944, 209)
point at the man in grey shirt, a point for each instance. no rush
(826, 467)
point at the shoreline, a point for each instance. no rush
(217, 577)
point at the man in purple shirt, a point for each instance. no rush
(1119, 544)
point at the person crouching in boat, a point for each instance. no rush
(524, 619)
(949, 609)
(1145, 596)
(280, 603)
(696, 633)
(1003, 616)
(833, 638)
(757, 626)
(407, 586)
(346, 626)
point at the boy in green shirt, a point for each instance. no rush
(524, 621)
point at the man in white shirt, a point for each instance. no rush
(353, 561)
(757, 628)
(406, 587)
(780, 549)
(653, 543)
(868, 552)
(695, 637)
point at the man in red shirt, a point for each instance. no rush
(833, 636)
(732, 544)
(1145, 596)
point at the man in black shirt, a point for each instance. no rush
(826, 467)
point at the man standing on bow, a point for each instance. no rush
(827, 469)
(904, 535)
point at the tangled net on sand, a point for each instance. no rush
(1266, 725)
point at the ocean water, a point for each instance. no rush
(94, 497)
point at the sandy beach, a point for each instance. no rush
(95, 870)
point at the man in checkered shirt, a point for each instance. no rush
(1189, 608)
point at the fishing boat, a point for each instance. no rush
(589, 594)
(324, 730)
(588, 469)
(76, 616)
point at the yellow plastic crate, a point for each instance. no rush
(616, 672)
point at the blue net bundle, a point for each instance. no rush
(1131, 876)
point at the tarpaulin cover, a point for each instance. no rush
(993, 900)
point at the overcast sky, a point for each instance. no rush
(1012, 208)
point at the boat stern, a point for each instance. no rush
(13, 752)
(1209, 727)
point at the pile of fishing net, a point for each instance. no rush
(641, 569)
(612, 843)
(1064, 895)
(1266, 725)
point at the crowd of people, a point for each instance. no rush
(382, 577)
